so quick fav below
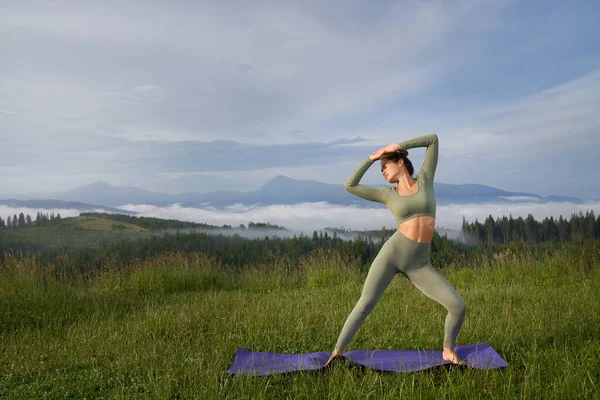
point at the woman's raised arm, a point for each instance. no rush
(431, 154)
(367, 193)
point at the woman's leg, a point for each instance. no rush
(434, 286)
(380, 275)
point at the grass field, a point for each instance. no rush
(169, 327)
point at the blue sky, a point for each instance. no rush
(200, 96)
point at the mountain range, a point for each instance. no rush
(278, 190)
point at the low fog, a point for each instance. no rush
(306, 218)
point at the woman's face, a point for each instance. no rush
(391, 170)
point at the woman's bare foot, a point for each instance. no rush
(335, 353)
(450, 355)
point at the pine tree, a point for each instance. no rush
(21, 220)
(489, 227)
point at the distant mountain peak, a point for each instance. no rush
(281, 178)
(96, 186)
(99, 184)
(276, 181)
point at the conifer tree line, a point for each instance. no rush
(95, 249)
(41, 219)
(151, 223)
(499, 231)
(578, 227)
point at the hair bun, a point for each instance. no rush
(403, 152)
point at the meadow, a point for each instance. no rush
(169, 326)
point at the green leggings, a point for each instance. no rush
(401, 254)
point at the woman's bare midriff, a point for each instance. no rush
(419, 229)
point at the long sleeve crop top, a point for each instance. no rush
(403, 207)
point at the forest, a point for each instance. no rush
(51, 238)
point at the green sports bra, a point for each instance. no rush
(403, 207)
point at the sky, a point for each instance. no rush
(196, 96)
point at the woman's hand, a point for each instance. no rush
(384, 151)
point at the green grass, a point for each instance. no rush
(169, 327)
(73, 232)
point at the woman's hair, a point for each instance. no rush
(402, 154)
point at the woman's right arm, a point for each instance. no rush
(367, 193)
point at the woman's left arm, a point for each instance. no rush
(431, 154)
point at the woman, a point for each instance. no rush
(407, 250)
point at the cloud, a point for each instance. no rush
(287, 84)
(244, 67)
(556, 119)
(143, 89)
(347, 141)
(118, 96)
(237, 70)
(8, 113)
(308, 217)
(563, 116)
(520, 198)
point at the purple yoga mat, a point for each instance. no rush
(480, 356)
